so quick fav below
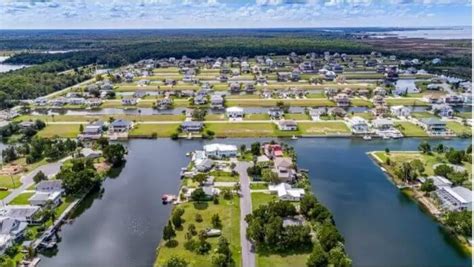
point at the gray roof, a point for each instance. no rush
(432, 121)
(49, 185)
(120, 123)
(191, 124)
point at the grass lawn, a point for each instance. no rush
(464, 115)
(405, 102)
(229, 213)
(323, 128)
(296, 116)
(221, 176)
(259, 199)
(458, 128)
(258, 186)
(6, 181)
(22, 199)
(4, 194)
(147, 130)
(81, 118)
(215, 117)
(275, 260)
(357, 102)
(62, 130)
(257, 117)
(409, 129)
(315, 102)
(422, 115)
(241, 129)
(365, 115)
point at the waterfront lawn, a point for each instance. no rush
(216, 117)
(229, 213)
(323, 128)
(261, 198)
(241, 129)
(358, 102)
(61, 130)
(458, 128)
(296, 116)
(365, 115)
(422, 115)
(221, 176)
(22, 199)
(409, 129)
(276, 260)
(257, 117)
(464, 115)
(405, 102)
(149, 130)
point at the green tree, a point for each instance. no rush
(200, 178)
(318, 257)
(216, 221)
(443, 170)
(338, 258)
(168, 232)
(255, 148)
(198, 195)
(175, 261)
(114, 154)
(81, 128)
(329, 236)
(39, 176)
(428, 186)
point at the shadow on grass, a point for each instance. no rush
(172, 243)
(201, 205)
(267, 251)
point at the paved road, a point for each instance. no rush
(248, 255)
(27, 180)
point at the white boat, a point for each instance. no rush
(367, 137)
(294, 137)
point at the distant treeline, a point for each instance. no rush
(117, 54)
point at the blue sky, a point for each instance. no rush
(100, 14)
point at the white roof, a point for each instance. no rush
(284, 189)
(219, 147)
(462, 194)
(234, 109)
(357, 120)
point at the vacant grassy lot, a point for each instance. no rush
(272, 102)
(297, 116)
(229, 213)
(323, 128)
(260, 198)
(458, 128)
(89, 118)
(409, 129)
(405, 102)
(22, 199)
(257, 117)
(61, 130)
(221, 176)
(4, 194)
(241, 129)
(148, 130)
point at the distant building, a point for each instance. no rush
(284, 191)
(220, 150)
(358, 125)
(455, 198)
(191, 126)
(235, 112)
(287, 125)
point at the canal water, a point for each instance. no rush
(122, 225)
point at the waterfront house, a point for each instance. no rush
(93, 102)
(165, 103)
(275, 112)
(378, 100)
(283, 76)
(382, 124)
(223, 78)
(217, 101)
(443, 110)
(358, 125)
(295, 75)
(91, 131)
(129, 101)
(41, 101)
(456, 198)
(220, 151)
(12, 227)
(76, 101)
(342, 100)
(200, 100)
(432, 99)
(287, 125)
(234, 88)
(316, 113)
(23, 213)
(191, 126)
(204, 165)
(90, 153)
(261, 79)
(453, 100)
(273, 150)
(433, 125)
(42, 198)
(400, 111)
(283, 167)
(120, 126)
(249, 88)
(285, 192)
(380, 91)
(329, 75)
(235, 112)
(438, 181)
(337, 112)
(380, 110)
(49, 186)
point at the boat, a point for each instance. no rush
(294, 138)
(367, 137)
(166, 198)
(385, 137)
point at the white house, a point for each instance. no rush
(49, 186)
(286, 192)
(220, 150)
(400, 111)
(358, 125)
(235, 112)
(455, 198)
(287, 125)
(41, 198)
(443, 110)
(12, 227)
(90, 153)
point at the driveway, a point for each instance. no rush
(248, 256)
(49, 169)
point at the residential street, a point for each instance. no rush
(27, 180)
(248, 256)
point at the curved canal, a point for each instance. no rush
(122, 225)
